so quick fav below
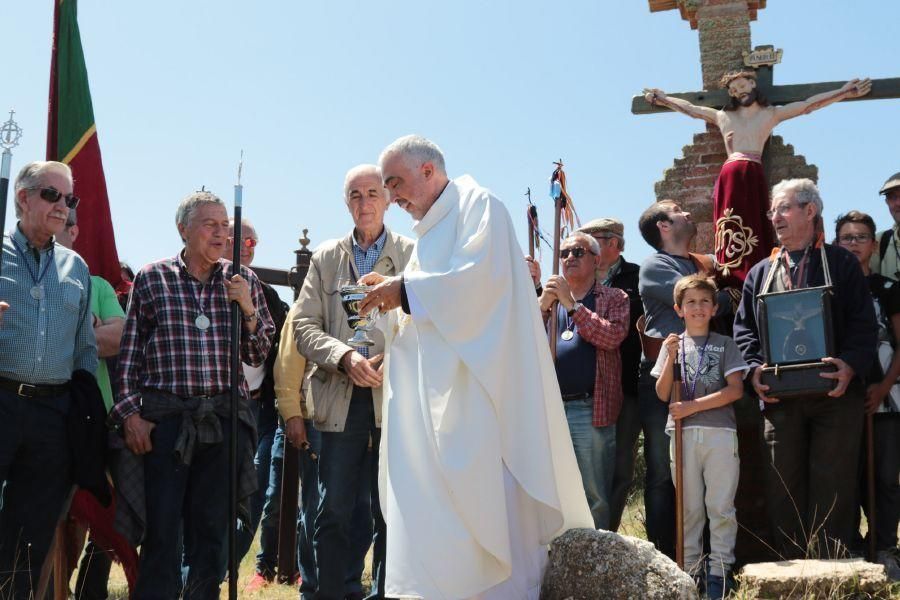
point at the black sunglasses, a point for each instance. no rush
(53, 195)
(577, 252)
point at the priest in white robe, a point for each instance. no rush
(478, 474)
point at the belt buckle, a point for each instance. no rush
(24, 388)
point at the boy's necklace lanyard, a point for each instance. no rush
(688, 392)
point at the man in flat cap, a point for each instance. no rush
(887, 260)
(614, 271)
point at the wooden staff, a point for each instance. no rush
(679, 470)
(870, 483)
(533, 240)
(557, 192)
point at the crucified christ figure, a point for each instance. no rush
(741, 196)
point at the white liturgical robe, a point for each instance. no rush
(478, 473)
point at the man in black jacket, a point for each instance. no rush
(614, 271)
(813, 442)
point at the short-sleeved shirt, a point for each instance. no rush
(720, 359)
(104, 305)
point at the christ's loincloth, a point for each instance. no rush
(740, 201)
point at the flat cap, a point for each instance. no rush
(606, 224)
(892, 182)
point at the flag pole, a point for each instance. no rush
(236, 327)
(10, 133)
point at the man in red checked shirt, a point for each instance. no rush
(174, 369)
(593, 323)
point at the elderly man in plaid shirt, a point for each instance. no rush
(175, 382)
(593, 323)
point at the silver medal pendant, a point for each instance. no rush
(202, 322)
(567, 335)
(37, 292)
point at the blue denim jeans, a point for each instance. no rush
(195, 496)
(595, 451)
(348, 475)
(35, 476)
(267, 557)
(659, 492)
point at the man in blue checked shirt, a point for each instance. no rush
(345, 389)
(46, 334)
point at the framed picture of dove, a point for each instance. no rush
(796, 336)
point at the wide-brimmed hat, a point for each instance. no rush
(892, 182)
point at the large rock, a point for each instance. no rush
(589, 565)
(813, 578)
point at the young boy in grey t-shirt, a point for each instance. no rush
(712, 371)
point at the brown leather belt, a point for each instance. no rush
(28, 390)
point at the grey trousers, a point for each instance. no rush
(811, 475)
(711, 469)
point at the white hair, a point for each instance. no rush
(592, 243)
(416, 151)
(245, 223)
(804, 190)
(363, 169)
(32, 174)
(189, 206)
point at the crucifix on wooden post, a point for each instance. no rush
(746, 111)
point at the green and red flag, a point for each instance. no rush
(72, 139)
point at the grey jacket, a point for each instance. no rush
(321, 329)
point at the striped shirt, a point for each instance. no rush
(164, 349)
(364, 261)
(48, 331)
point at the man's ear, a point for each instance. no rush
(428, 170)
(73, 233)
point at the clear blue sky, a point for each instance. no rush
(309, 89)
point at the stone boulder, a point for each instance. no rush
(588, 565)
(813, 578)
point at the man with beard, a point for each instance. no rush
(741, 195)
(669, 229)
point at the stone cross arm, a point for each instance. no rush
(882, 89)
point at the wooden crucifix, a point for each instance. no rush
(746, 111)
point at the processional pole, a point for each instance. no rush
(564, 219)
(236, 330)
(675, 396)
(531, 213)
(10, 133)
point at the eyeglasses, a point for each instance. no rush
(577, 252)
(783, 209)
(859, 238)
(248, 241)
(53, 195)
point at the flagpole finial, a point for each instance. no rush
(10, 133)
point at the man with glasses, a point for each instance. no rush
(346, 392)
(46, 335)
(886, 259)
(175, 381)
(669, 230)
(270, 436)
(614, 271)
(592, 322)
(813, 441)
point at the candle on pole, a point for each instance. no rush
(236, 327)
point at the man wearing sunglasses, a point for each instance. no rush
(886, 258)
(593, 323)
(47, 334)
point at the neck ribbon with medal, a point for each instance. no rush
(569, 332)
(37, 290)
(688, 385)
(202, 322)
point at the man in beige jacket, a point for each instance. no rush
(345, 384)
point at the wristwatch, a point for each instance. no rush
(574, 308)
(250, 317)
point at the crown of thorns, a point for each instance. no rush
(730, 76)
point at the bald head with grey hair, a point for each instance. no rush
(31, 176)
(805, 191)
(189, 206)
(416, 151)
(580, 236)
(364, 169)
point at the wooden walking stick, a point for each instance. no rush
(533, 240)
(870, 483)
(679, 469)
